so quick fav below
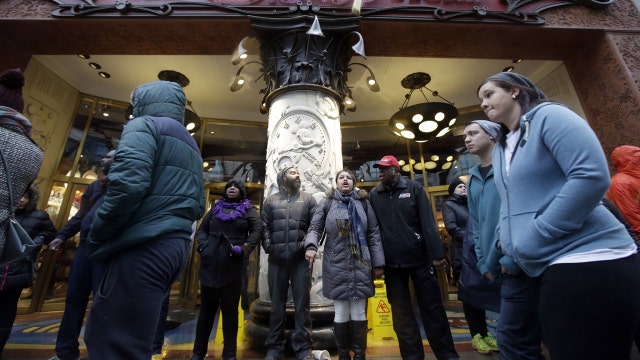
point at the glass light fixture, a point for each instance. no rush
(425, 121)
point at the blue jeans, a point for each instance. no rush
(432, 312)
(126, 309)
(519, 334)
(84, 277)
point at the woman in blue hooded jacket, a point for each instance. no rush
(551, 174)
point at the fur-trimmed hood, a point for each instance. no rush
(360, 194)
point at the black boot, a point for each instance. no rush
(359, 339)
(342, 333)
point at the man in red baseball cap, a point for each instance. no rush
(387, 160)
(412, 248)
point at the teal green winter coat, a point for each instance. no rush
(155, 187)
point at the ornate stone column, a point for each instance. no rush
(305, 61)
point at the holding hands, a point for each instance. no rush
(310, 255)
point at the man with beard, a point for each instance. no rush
(286, 216)
(412, 250)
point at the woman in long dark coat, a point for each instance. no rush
(352, 257)
(229, 232)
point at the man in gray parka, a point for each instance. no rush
(286, 216)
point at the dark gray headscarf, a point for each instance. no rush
(520, 81)
(491, 128)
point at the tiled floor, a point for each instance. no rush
(33, 337)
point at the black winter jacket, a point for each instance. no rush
(409, 234)
(218, 266)
(285, 221)
(37, 224)
(455, 214)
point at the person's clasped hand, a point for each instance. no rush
(55, 244)
(310, 255)
(439, 263)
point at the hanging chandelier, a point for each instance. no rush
(425, 121)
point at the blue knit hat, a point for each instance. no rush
(520, 81)
(491, 128)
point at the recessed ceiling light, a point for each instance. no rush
(518, 61)
(84, 56)
(95, 66)
(103, 74)
(508, 69)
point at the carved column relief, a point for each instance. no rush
(304, 129)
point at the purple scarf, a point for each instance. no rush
(238, 209)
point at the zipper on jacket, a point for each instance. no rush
(524, 139)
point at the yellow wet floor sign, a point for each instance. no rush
(380, 313)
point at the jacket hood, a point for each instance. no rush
(280, 177)
(626, 159)
(458, 199)
(360, 194)
(159, 98)
(34, 196)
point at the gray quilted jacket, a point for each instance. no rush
(345, 277)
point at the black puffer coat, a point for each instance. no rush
(455, 214)
(344, 277)
(285, 220)
(218, 265)
(37, 224)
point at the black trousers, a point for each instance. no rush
(432, 312)
(579, 301)
(476, 318)
(8, 309)
(280, 274)
(225, 298)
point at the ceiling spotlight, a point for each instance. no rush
(104, 75)
(84, 56)
(95, 66)
(372, 83)
(241, 52)
(238, 80)
(518, 61)
(508, 69)
(348, 103)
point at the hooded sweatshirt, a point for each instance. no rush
(554, 209)
(625, 184)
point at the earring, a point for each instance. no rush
(513, 96)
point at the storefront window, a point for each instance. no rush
(96, 129)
